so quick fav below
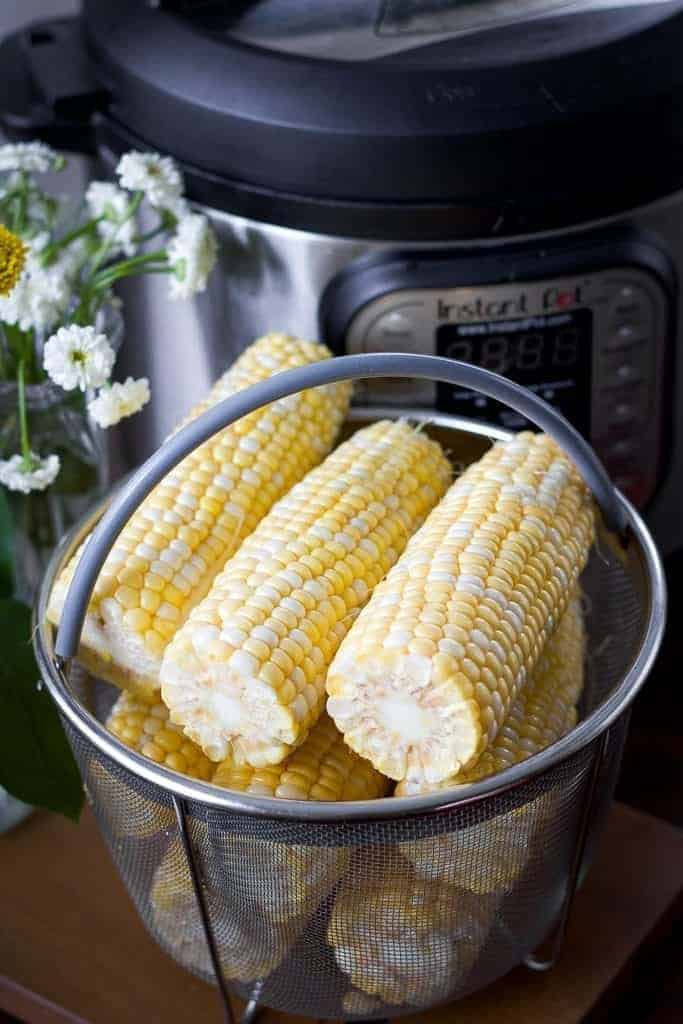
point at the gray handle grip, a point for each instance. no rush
(328, 371)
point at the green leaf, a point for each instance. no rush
(6, 570)
(36, 763)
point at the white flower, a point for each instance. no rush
(192, 255)
(78, 357)
(106, 200)
(118, 401)
(156, 176)
(16, 475)
(40, 295)
(28, 156)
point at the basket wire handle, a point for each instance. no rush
(289, 382)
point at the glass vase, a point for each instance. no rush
(59, 424)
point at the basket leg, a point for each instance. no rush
(533, 961)
(181, 817)
(251, 1010)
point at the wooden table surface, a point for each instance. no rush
(73, 949)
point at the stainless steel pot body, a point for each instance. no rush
(273, 278)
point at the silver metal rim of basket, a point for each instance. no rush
(594, 725)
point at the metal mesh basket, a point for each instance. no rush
(380, 907)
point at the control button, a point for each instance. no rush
(622, 449)
(623, 412)
(629, 406)
(624, 337)
(395, 323)
(627, 373)
(631, 304)
(395, 330)
(627, 367)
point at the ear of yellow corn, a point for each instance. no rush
(322, 768)
(168, 554)
(124, 807)
(425, 680)
(144, 727)
(489, 857)
(250, 946)
(247, 671)
(279, 880)
(543, 712)
(486, 858)
(406, 940)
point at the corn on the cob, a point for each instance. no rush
(144, 727)
(322, 768)
(490, 856)
(406, 940)
(125, 807)
(426, 677)
(272, 877)
(487, 858)
(250, 945)
(542, 712)
(294, 878)
(248, 668)
(166, 557)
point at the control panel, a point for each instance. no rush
(592, 344)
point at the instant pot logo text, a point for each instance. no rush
(482, 308)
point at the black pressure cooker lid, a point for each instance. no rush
(380, 117)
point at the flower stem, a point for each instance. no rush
(109, 275)
(23, 419)
(133, 206)
(50, 252)
(20, 345)
(149, 235)
(166, 222)
(21, 193)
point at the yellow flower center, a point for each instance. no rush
(13, 253)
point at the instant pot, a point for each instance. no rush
(494, 182)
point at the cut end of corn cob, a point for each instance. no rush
(246, 673)
(425, 680)
(322, 768)
(488, 858)
(167, 556)
(249, 946)
(278, 880)
(542, 713)
(145, 728)
(407, 940)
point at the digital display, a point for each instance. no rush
(550, 354)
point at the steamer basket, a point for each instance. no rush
(377, 908)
